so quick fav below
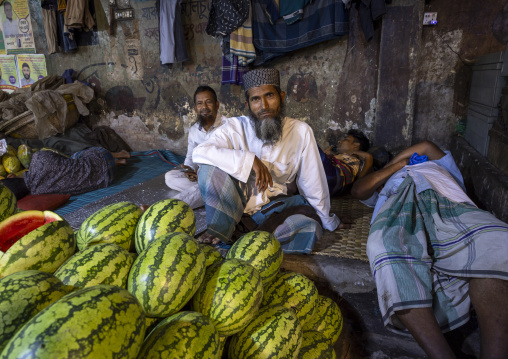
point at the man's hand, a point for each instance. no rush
(191, 176)
(263, 176)
(189, 172)
(328, 151)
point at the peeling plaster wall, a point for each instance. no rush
(150, 106)
(464, 32)
(334, 86)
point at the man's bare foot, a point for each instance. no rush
(144, 207)
(121, 154)
(345, 223)
(120, 162)
(207, 238)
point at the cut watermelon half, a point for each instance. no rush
(17, 226)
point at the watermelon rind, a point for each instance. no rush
(327, 319)
(183, 335)
(7, 202)
(165, 276)
(230, 295)
(292, 290)
(23, 295)
(95, 322)
(162, 217)
(275, 332)
(212, 255)
(316, 346)
(261, 250)
(104, 263)
(115, 223)
(45, 248)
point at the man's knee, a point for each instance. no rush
(176, 180)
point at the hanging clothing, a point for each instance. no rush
(77, 15)
(292, 10)
(241, 42)
(322, 20)
(368, 12)
(172, 38)
(232, 73)
(271, 9)
(50, 29)
(226, 16)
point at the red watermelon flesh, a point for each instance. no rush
(16, 226)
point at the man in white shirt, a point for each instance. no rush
(10, 25)
(253, 168)
(183, 178)
(433, 253)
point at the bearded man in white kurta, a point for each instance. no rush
(267, 168)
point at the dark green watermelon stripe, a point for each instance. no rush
(94, 299)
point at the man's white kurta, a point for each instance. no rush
(197, 135)
(232, 148)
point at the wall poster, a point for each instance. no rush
(31, 68)
(8, 73)
(17, 27)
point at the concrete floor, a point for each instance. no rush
(347, 281)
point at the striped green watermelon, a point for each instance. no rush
(230, 295)
(96, 322)
(327, 319)
(183, 335)
(261, 250)
(275, 332)
(212, 255)
(223, 347)
(7, 202)
(165, 276)
(104, 263)
(115, 223)
(24, 294)
(151, 323)
(316, 346)
(293, 290)
(168, 215)
(44, 248)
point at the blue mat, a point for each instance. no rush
(142, 166)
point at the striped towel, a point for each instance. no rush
(241, 42)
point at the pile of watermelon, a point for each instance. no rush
(15, 160)
(130, 284)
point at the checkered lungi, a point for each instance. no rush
(423, 248)
(225, 203)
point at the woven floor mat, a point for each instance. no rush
(347, 243)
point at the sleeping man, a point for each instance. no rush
(433, 253)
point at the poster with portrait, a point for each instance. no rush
(8, 73)
(16, 26)
(31, 68)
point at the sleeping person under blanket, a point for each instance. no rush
(84, 171)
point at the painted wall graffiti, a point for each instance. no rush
(191, 29)
(199, 7)
(120, 97)
(302, 86)
(150, 13)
